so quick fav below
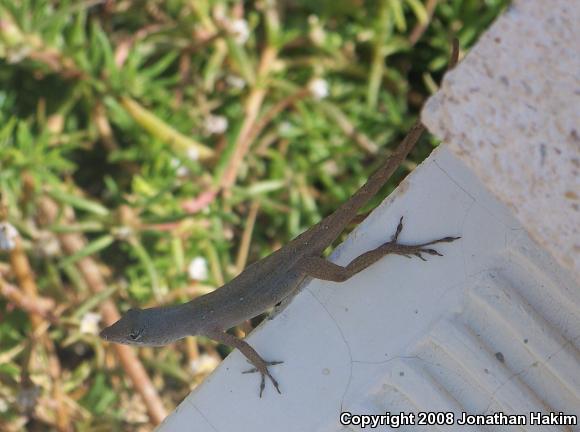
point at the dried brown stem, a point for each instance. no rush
(41, 306)
(253, 105)
(72, 243)
(420, 28)
(125, 46)
(349, 129)
(247, 237)
(197, 204)
(23, 272)
(104, 127)
(274, 111)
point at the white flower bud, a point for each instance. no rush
(197, 269)
(240, 31)
(215, 124)
(8, 235)
(90, 323)
(318, 87)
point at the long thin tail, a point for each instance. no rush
(334, 224)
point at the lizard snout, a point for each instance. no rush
(105, 334)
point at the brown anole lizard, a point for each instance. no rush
(274, 278)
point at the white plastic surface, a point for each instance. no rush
(493, 325)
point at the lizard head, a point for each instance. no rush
(147, 327)
(129, 330)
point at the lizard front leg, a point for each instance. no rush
(320, 268)
(251, 354)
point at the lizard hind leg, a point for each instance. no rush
(260, 365)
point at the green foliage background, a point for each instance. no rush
(101, 104)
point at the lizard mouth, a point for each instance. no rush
(105, 334)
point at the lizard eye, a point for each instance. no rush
(136, 334)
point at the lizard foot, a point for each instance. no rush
(416, 250)
(262, 368)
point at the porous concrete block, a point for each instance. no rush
(511, 111)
